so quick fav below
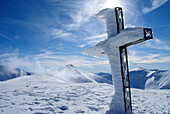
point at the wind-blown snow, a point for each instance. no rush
(10, 73)
(68, 74)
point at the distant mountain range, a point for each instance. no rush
(139, 77)
(150, 79)
(146, 79)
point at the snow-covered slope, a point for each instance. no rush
(68, 74)
(150, 79)
(106, 76)
(71, 74)
(48, 95)
(146, 79)
(10, 73)
(97, 78)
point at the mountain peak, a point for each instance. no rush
(70, 66)
(137, 69)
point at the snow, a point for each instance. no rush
(114, 60)
(108, 15)
(124, 37)
(67, 74)
(150, 79)
(150, 101)
(150, 73)
(56, 94)
(139, 77)
(40, 94)
(137, 69)
(7, 73)
(71, 74)
(72, 91)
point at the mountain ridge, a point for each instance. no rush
(10, 73)
(139, 78)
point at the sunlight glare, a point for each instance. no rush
(112, 4)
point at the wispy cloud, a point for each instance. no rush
(10, 54)
(7, 55)
(6, 37)
(158, 44)
(94, 39)
(88, 8)
(50, 59)
(149, 58)
(85, 10)
(155, 4)
(67, 36)
(81, 15)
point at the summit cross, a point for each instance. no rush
(115, 48)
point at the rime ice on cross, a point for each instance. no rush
(114, 47)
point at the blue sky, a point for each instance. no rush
(48, 34)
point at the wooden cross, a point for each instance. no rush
(115, 47)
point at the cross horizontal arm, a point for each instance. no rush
(126, 37)
(147, 36)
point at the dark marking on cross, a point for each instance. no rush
(124, 58)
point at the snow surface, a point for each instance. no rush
(150, 79)
(41, 94)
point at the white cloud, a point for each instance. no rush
(85, 10)
(10, 54)
(158, 44)
(150, 58)
(67, 36)
(82, 45)
(48, 59)
(155, 4)
(7, 55)
(82, 11)
(88, 8)
(94, 39)
(101, 36)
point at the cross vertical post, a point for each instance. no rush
(125, 78)
(124, 63)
